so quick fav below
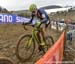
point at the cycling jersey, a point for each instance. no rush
(41, 17)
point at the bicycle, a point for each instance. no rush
(29, 44)
(5, 60)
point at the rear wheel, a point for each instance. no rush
(25, 48)
(49, 43)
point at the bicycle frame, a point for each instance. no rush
(36, 35)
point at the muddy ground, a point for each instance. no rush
(9, 34)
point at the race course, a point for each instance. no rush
(9, 34)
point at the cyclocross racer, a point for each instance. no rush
(40, 14)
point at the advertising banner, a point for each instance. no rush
(12, 18)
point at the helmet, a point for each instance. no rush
(32, 7)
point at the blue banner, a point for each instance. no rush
(12, 18)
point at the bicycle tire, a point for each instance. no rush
(48, 43)
(5, 60)
(24, 57)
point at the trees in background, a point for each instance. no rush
(3, 10)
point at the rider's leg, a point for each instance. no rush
(42, 37)
(39, 38)
(38, 35)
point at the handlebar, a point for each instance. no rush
(24, 25)
(29, 24)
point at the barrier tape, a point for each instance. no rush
(54, 54)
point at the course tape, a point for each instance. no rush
(55, 54)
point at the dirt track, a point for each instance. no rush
(9, 35)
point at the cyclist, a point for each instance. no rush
(41, 16)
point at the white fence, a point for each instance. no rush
(61, 26)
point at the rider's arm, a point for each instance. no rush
(32, 17)
(30, 21)
(46, 21)
(47, 24)
(40, 15)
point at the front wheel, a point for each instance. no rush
(25, 48)
(49, 43)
